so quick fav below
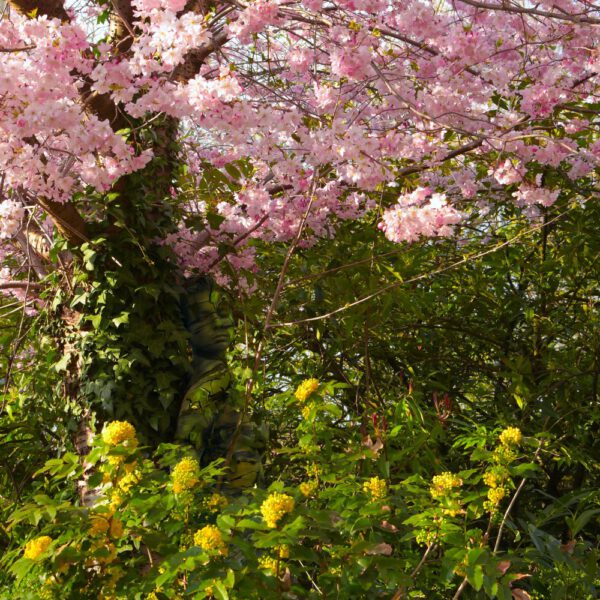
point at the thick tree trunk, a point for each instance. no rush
(152, 348)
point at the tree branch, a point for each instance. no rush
(195, 58)
(513, 501)
(53, 9)
(121, 25)
(67, 219)
(20, 285)
(11, 50)
(515, 8)
(28, 243)
(102, 106)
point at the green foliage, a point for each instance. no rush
(364, 522)
(129, 340)
(119, 324)
(457, 341)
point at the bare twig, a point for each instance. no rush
(20, 285)
(267, 325)
(513, 501)
(9, 50)
(401, 591)
(449, 267)
(515, 8)
(460, 589)
(239, 240)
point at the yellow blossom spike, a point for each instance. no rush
(444, 483)
(276, 506)
(216, 502)
(119, 432)
(185, 475)
(126, 482)
(306, 389)
(268, 563)
(511, 436)
(376, 488)
(116, 528)
(308, 488)
(99, 525)
(210, 538)
(36, 547)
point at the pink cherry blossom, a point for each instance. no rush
(507, 173)
(11, 216)
(304, 112)
(417, 214)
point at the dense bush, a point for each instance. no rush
(299, 299)
(350, 516)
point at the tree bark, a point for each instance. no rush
(53, 9)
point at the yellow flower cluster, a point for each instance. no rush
(36, 547)
(49, 590)
(116, 528)
(306, 389)
(128, 481)
(495, 476)
(216, 502)
(119, 432)
(454, 510)
(511, 436)
(426, 536)
(504, 454)
(491, 479)
(268, 563)
(306, 410)
(275, 507)
(185, 475)
(495, 495)
(376, 488)
(115, 501)
(100, 525)
(308, 488)
(444, 483)
(104, 552)
(210, 538)
(313, 470)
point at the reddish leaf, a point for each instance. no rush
(389, 526)
(383, 548)
(503, 566)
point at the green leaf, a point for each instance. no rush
(220, 591)
(63, 363)
(122, 319)
(250, 524)
(475, 576)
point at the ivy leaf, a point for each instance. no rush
(63, 363)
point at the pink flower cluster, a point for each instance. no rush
(254, 19)
(327, 109)
(507, 173)
(420, 213)
(528, 195)
(48, 143)
(11, 216)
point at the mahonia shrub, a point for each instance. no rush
(350, 515)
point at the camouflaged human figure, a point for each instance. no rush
(207, 419)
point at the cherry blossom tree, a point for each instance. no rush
(147, 143)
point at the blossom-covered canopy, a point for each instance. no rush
(312, 111)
